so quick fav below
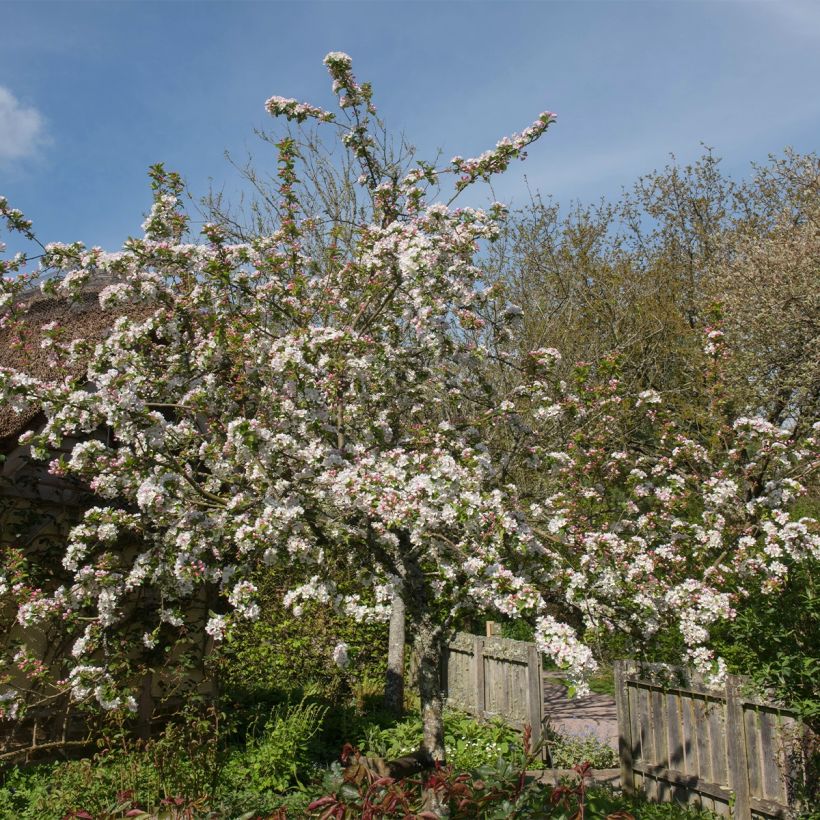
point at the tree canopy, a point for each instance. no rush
(283, 400)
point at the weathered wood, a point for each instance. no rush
(717, 748)
(688, 739)
(736, 745)
(495, 677)
(717, 741)
(682, 779)
(772, 781)
(659, 735)
(535, 693)
(701, 727)
(753, 756)
(478, 675)
(493, 629)
(674, 722)
(625, 750)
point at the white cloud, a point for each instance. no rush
(22, 128)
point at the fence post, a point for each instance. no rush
(478, 675)
(622, 668)
(535, 693)
(736, 757)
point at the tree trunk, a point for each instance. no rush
(145, 707)
(429, 647)
(394, 680)
(428, 644)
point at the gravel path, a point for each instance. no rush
(590, 715)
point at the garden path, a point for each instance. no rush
(589, 715)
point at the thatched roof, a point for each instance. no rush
(20, 347)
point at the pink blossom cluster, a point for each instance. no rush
(295, 110)
(498, 159)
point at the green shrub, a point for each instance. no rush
(280, 755)
(280, 653)
(567, 751)
(775, 639)
(95, 785)
(468, 743)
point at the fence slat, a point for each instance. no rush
(717, 741)
(701, 727)
(752, 739)
(773, 785)
(689, 739)
(659, 733)
(625, 742)
(674, 728)
(478, 675)
(736, 745)
(535, 694)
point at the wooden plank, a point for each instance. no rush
(506, 649)
(478, 675)
(689, 735)
(772, 781)
(738, 767)
(635, 723)
(648, 738)
(513, 690)
(699, 691)
(770, 808)
(751, 730)
(659, 733)
(504, 670)
(645, 716)
(498, 686)
(702, 739)
(689, 781)
(717, 741)
(625, 750)
(535, 694)
(674, 730)
(793, 740)
(488, 685)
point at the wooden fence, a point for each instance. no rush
(495, 677)
(723, 750)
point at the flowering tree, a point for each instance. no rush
(653, 524)
(272, 407)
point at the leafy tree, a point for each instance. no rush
(645, 276)
(290, 402)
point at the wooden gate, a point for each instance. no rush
(721, 749)
(495, 677)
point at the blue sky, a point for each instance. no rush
(92, 93)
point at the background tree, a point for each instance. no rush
(645, 276)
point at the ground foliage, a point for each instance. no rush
(280, 772)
